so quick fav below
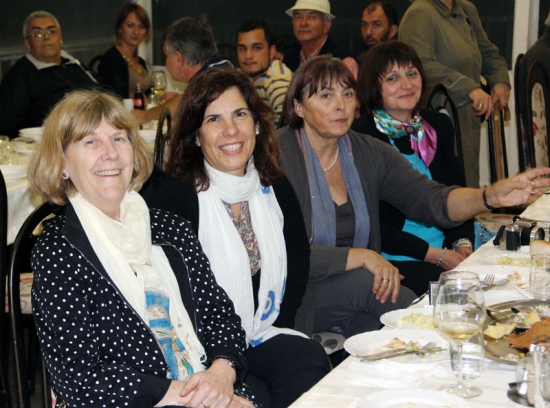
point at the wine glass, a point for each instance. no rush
(459, 313)
(158, 82)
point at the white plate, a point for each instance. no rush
(411, 397)
(34, 133)
(368, 343)
(501, 272)
(391, 319)
(24, 150)
(521, 258)
(148, 135)
(13, 173)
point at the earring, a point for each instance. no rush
(64, 175)
(257, 131)
(197, 142)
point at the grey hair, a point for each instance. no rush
(547, 22)
(38, 14)
(193, 38)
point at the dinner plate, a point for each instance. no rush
(148, 135)
(502, 272)
(13, 173)
(24, 149)
(411, 397)
(368, 343)
(499, 350)
(505, 258)
(34, 133)
(391, 319)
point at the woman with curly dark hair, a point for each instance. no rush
(223, 174)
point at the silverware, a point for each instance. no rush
(430, 347)
(487, 286)
(417, 300)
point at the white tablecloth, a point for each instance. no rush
(336, 391)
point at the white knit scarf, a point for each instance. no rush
(228, 257)
(127, 254)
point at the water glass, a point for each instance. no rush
(473, 354)
(4, 140)
(542, 376)
(128, 103)
(539, 278)
(10, 156)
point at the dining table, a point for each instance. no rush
(343, 387)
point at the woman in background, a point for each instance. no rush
(392, 87)
(121, 68)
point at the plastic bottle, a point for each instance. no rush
(139, 98)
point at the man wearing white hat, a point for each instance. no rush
(311, 20)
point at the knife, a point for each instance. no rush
(397, 353)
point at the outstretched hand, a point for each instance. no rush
(520, 189)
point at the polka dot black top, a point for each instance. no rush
(98, 350)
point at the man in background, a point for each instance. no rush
(39, 79)
(311, 21)
(256, 53)
(379, 23)
(190, 49)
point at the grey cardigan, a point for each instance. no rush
(385, 175)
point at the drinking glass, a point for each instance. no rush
(473, 355)
(158, 82)
(4, 140)
(539, 278)
(459, 313)
(10, 156)
(542, 375)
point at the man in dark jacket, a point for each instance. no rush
(311, 20)
(35, 83)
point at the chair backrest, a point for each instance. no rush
(537, 114)
(18, 262)
(520, 98)
(93, 62)
(439, 101)
(5, 399)
(162, 137)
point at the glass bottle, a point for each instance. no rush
(139, 98)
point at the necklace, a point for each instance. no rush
(334, 161)
(139, 70)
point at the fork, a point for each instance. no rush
(428, 348)
(489, 279)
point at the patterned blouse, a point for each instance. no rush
(244, 227)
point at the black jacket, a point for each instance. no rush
(292, 57)
(177, 196)
(97, 349)
(28, 94)
(113, 72)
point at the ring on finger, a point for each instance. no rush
(385, 280)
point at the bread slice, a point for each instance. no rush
(539, 246)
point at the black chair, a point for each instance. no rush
(93, 62)
(520, 98)
(161, 139)
(537, 114)
(5, 399)
(439, 101)
(24, 372)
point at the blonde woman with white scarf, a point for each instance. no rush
(126, 308)
(224, 176)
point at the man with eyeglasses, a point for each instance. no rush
(39, 79)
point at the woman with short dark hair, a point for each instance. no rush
(392, 88)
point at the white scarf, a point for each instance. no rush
(227, 254)
(127, 254)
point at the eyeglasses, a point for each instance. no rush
(38, 33)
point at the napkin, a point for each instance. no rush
(389, 374)
(539, 210)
